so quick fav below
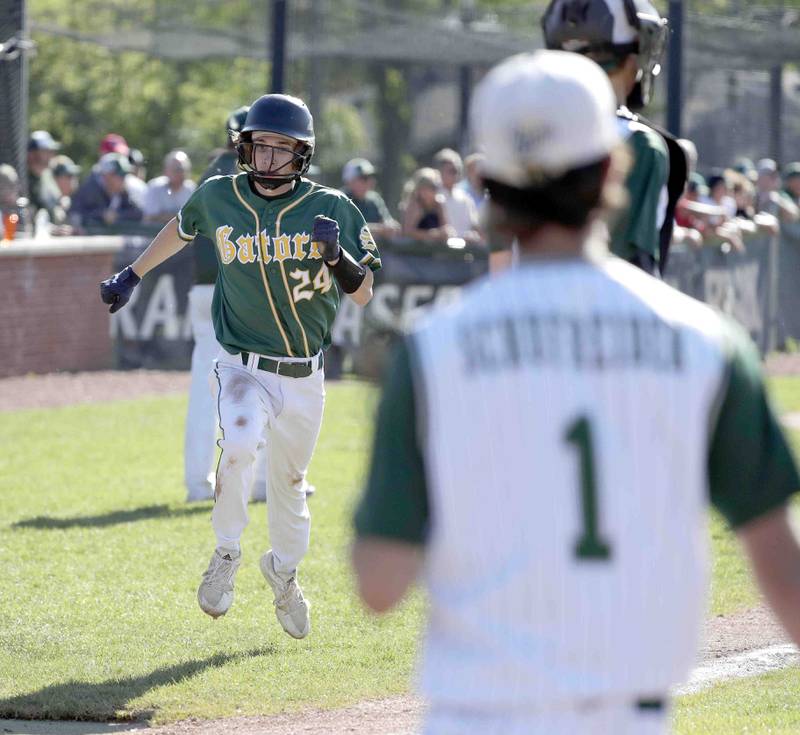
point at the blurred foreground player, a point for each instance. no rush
(547, 448)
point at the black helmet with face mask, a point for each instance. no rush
(608, 31)
(283, 115)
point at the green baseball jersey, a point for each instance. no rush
(638, 227)
(273, 295)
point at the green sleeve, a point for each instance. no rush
(638, 228)
(354, 235)
(751, 468)
(192, 216)
(395, 501)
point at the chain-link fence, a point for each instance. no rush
(742, 87)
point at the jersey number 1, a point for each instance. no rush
(589, 545)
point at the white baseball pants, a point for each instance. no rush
(256, 407)
(199, 452)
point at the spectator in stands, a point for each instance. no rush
(358, 177)
(114, 143)
(744, 194)
(460, 208)
(472, 183)
(103, 199)
(688, 212)
(9, 187)
(42, 189)
(10, 200)
(138, 168)
(135, 185)
(424, 214)
(167, 194)
(747, 168)
(769, 197)
(66, 173)
(791, 182)
(719, 194)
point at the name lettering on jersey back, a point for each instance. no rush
(597, 342)
(248, 248)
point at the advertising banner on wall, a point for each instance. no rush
(153, 331)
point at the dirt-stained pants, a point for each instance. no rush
(254, 407)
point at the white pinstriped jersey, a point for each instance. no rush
(554, 440)
(585, 364)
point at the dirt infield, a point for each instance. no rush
(724, 637)
(66, 389)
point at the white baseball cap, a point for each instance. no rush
(537, 116)
(356, 168)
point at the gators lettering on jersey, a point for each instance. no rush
(274, 295)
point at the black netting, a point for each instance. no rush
(13, 85)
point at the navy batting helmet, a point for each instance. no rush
(236, 120)
(284, 115)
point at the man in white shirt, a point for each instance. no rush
(461, 211)
(168, 193)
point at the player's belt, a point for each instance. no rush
(285, 368)
(653, 705)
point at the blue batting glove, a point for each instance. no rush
(117, 290)
(326, 232)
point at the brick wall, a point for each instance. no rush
(51, 317)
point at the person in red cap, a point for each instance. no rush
(114, 143)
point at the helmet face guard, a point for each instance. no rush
(273, 177)
(282, 115)
(587, 28)
(652, 41)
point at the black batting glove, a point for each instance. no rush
(117, 290)
(326, 233)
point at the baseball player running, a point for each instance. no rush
(548, 447)
(281, 241)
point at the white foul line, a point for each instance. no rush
(739, 666)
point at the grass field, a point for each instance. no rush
(102, 558)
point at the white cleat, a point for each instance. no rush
(215, 595)
(291, 608)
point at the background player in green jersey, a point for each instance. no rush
(281, 240)
(627, 38)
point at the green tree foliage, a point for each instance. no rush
(80, 91)
(342, 136)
